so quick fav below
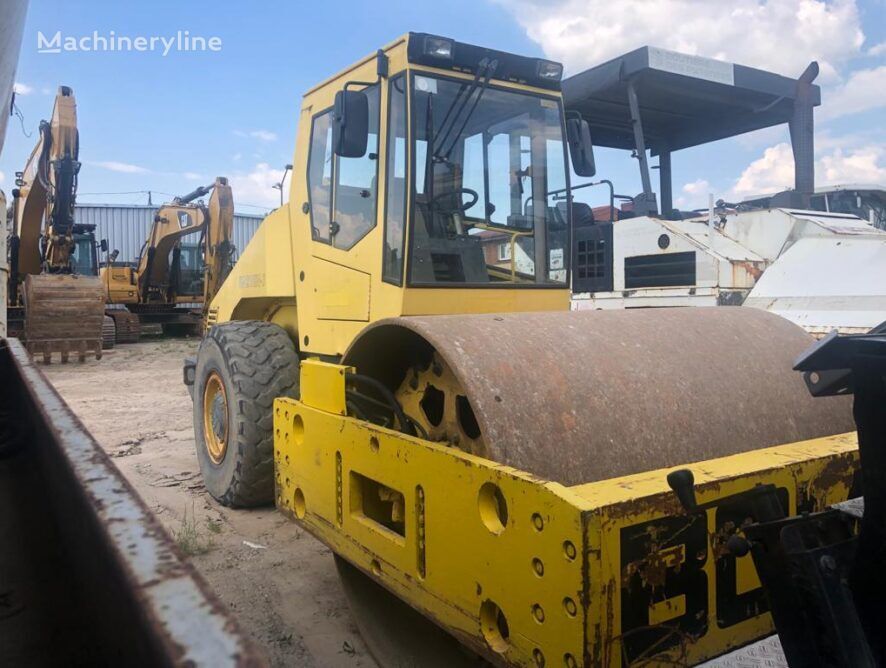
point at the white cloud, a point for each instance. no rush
(22, 89)
(46, 91)
(192, 176)
(694, 194)
(877, 49)
(862, 165)
(261, 135)
(862, 91)
(122, 167)
(2, 177)
(236, 157)
(700, 186)
(779, 35)
(836, 164)
(256, 187)
(771, 173)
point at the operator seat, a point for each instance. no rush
(438, 256)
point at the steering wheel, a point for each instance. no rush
(457, 194)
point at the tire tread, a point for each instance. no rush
(263, 364)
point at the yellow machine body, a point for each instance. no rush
(524, 571)
(469, 542)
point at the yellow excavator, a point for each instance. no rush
(55, 299)
(169, 274)
(490, 469)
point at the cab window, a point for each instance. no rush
(320, 175)
(356, 186)
(395, 215)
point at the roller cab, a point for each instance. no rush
(427, 179)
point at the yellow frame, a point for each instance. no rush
(455, 552)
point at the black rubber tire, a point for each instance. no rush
(257, 362)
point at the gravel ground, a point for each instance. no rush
(280, 582)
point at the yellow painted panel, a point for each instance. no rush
(341, 293)
(264, 269)
(442, 301)
(668, 609)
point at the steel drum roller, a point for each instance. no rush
(576, 397)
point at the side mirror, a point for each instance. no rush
(350, 124)
(114, 255)
(103, 244)
(578, 136)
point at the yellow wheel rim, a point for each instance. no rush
(215, 418)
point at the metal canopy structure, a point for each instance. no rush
(666, 101)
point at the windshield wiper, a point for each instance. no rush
(481, 81)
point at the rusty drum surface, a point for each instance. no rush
(583, 396)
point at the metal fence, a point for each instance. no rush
(126, 226)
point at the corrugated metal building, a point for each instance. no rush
(126, 226)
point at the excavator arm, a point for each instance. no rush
(46, 192)
(218, 253)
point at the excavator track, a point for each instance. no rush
(64, 314)
(127, 326)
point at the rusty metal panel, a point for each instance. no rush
(82, 558)
(583, 396)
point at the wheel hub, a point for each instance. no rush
(433, 396)
(215, 418)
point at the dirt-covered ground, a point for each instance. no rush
(279, 581)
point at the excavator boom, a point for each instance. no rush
(62, 310)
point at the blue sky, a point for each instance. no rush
(168, 124)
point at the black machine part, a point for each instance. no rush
(823, 571)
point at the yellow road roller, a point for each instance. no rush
(393, 362)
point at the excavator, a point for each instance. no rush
(169, 274)
(55, 299)
(490, 469)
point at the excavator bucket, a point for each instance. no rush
(64, 313)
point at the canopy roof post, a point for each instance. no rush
(644, 204)
(664, 181)
(803, 135)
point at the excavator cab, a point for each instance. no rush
(84, 256)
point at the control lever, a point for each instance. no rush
(763, 500)
(683, 483)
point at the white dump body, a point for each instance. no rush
(820, 270)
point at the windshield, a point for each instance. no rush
(83, 255)
(485, 161)
(190, 269)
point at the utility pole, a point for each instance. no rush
(279, 186)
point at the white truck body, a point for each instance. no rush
(821, 270)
